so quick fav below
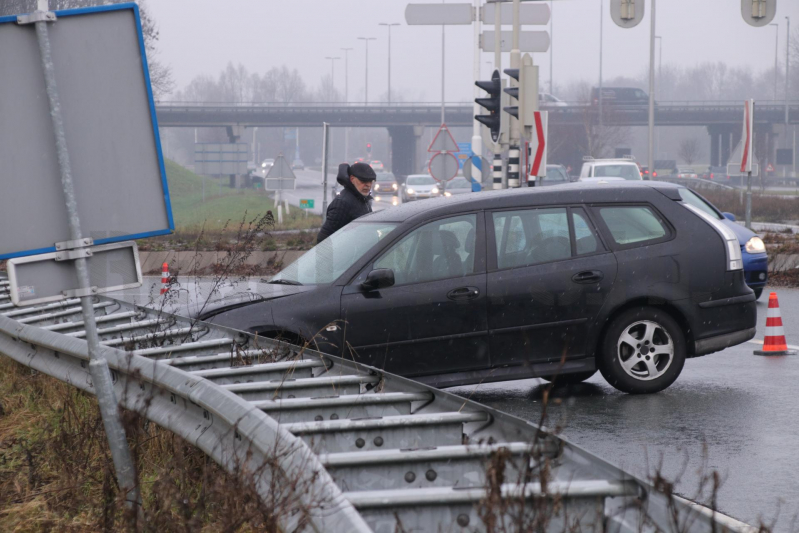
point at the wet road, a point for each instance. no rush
(742, 409)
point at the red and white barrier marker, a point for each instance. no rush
(774, 342)
(164, 278)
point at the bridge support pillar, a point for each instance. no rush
(404, 141)
(715, 145)
(234, 133)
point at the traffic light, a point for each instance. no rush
(526, 91)
(369, 148)
(494, 89)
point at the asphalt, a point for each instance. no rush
(730, 412)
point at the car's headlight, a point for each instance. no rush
(394, 185)
(447, 194)
(410, 191)
(434, 190)
(394, 201)
(377, 198)
(377, 186)
(755, 245)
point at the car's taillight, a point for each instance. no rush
(731, 244)
(655, 174)
(711, 175)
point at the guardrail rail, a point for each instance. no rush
(365, 450)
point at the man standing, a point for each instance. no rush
(352, 202)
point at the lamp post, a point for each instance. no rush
(651, 150)
(366, 62)
(346, 100)
(388, 25)
(551, 41)
(599, 97)
(659, 40)
(333, 71)
(776, 54)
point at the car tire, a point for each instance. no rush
(758, 292)
(624, 361)
(574, 378)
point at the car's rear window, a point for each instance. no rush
(628, 172)
(632, 224)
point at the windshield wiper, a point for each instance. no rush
(284, 282)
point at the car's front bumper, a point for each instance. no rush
(755, 269)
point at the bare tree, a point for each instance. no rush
(689, 150)
(160, 74)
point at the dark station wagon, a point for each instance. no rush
(555, 282)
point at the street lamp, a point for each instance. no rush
(346, 73)
(333, 71)
(388, 25)
(776, 53)
(366, 62)
(551, 41)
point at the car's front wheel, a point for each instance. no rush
(643, 351)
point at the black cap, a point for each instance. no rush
(363, 172)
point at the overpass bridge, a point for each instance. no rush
(406, 121)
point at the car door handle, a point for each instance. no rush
(463, 293)
(588, 276)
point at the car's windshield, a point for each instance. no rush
(459, 184)
(628, 172)
(691, 198)
(555, 174)
(385, 176)
(421, 180)
(326, 261)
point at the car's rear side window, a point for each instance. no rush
(632, 224)
(531, 236)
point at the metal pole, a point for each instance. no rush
(366, 75)
(389, 63)
(499, 177)
(657, 85)
(442, 73)
(325, 148)
(347, 100)
(651, 152)
(551, 41)
(477, 140)
(599, 98)
(514, 150)
(787, 79)
(98, 367)
(776, 54)
(749, 200)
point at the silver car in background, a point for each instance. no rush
(419, 186)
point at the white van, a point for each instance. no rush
(609, 170)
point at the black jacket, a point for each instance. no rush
(345, 208)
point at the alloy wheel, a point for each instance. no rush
(645, 350)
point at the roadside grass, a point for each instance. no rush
(56, 472)
(222, 204)
(764, 208)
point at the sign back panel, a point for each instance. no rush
(111, 131)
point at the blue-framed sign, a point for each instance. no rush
(111, 131)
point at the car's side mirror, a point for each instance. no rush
(378, 279)
(729, 216)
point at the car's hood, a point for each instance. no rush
(266, 291)
(740, 231)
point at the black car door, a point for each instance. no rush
(548, 276)
(433, 320)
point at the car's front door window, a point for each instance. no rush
(438, 250)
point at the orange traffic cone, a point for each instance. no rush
(774, 343)
(164, 278)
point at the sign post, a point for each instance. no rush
(443, 165)
(747, 138)
(280, 177)
(118, 131)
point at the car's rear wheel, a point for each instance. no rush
(643, 351)
(758, 292)
(569, 379)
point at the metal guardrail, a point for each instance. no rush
(365, 450)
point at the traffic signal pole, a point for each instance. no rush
(500, 179)
(477, 139)
(514, 149)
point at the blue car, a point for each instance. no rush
(753, 251)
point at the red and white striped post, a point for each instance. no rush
(164, 278)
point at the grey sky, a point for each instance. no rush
(202, 36)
